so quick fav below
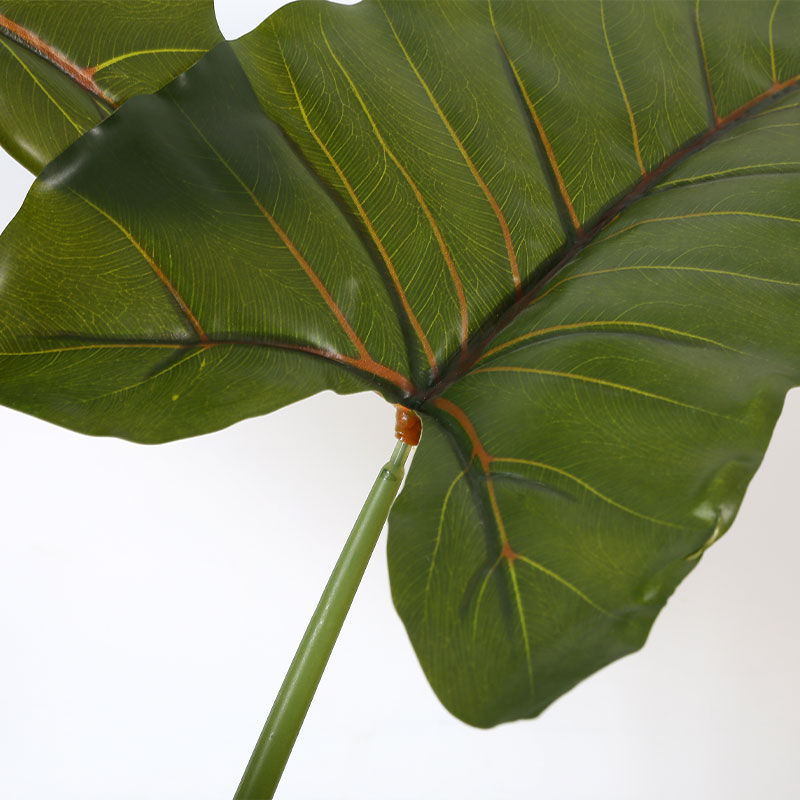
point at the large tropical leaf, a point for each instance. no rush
(567, 234)
(65, 66)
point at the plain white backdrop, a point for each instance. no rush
(151, 599)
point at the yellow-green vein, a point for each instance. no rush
(708, 176)
(439, 536)
(480, 596)
(97, 67)
(695, 215)
(634, 132)
(664, 268)
(772, 42)
(578, 326)
(437, 233)
(556, 577)
(706, 70)
(41, 86)
(776, 110)
(423, 339)
(101, 346)
(170, 287)
(289, 245)
(523, 625)
(200, 349)
(600, 382)
(588, 487)
(512, 256)
(543, 137)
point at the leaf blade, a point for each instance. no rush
(65, 66)
(597, 432)
(632, 492)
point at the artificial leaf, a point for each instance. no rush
(567, 234)
(65, 66)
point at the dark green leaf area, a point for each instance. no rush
(64, 66)
(443, 178)
(567, 234)
(617, 57)
(464, 604)
(158, 390)
(748, 50)
(180, 243)
(605, 436)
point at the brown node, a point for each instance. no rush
(407, 426)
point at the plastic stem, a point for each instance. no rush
(272, 750)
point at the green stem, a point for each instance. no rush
(272, 750)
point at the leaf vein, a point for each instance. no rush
(600, 382)
(512, 257)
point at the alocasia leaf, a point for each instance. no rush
(568, 234)
(65, 66)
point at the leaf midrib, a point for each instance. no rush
(80, 76)
(559, 261)
(578, 239)
(489, 511)
(382, 373)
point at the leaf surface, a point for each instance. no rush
(65, 66)
(567, 234)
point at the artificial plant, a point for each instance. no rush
(576, 264)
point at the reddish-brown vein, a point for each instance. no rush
(507, 552)
(445, 250)
(777, 86)
(485, 460)
(314, 278)
(369, 366)
(512, 257)
(534, 292)
(651, 177)
(478, 450)
(365, 360)
(170, 287)
(367, 222)
(83, 76)
(548, 148)
(376, 369)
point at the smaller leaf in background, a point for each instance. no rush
(65, 66)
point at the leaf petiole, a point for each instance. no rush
(274, 746)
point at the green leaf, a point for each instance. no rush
(195, 279)
(64, 66)
(567, 234)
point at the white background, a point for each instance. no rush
(151, 599)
